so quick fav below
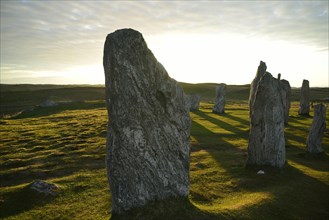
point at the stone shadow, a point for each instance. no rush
(286, 187)
(45, 111)
(174, 208)
(224, 125)
(22, 200)
(232, 117)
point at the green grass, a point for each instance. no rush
(65, 145)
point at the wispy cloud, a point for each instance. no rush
(57, 34)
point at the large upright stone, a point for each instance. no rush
(149, 125)
(253, 87)
(304, 108)
(193, 101)
(286, 95)
(266, 139)
(220, 100)
(315, 136)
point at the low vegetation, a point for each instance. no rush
(65, 145)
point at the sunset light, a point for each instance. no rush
(211, 41)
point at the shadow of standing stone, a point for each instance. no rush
(148, 142)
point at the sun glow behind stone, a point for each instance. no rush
(233, 59)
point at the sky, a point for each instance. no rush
(61, 42)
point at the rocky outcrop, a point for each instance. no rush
(315, 136)
(253, 87)
(44, 187)
(266, 145)
(220, 100)
(148, 131)
(304, 108)
(286, 95)
(193, 102)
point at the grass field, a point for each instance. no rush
(16, 98)
(65, 145)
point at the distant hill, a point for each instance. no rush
(15, 98)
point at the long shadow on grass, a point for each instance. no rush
(241, 120)
(299, 155)
(222, 124)
(294, 195)
(54, 166)
(175, 208)
(22, 200)
(45, 111)
(285, 187)
(299, 119)
(225, 153)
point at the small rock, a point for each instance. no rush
(260, 172)
(43, 187)
(48, 103)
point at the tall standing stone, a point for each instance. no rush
(253, 87)
(220, 100)
(286, 95)
(315, 136)
(193, 101)
(149, 125)
(266, 139)
(304, 108)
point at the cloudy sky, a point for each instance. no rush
(61, 42)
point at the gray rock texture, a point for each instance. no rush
(304, 108)
(148, 143)
(253, 87)
(44, 187)
(193, 102)
(266, 139)
(286, 96)
(315, 136)
(220, 100)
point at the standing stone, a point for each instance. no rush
(315, 136)
(219, 106)
(193, 102)
(266, 139)
(286, 95)
(149, 125)
(304, 108)
(253, 87)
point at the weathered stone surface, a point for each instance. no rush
(253, 87)
(315, 136)
(266, 139)
(219, 106)
(44, 187)
(286, 95)
(149, 125)
(304, 108)
(193, 102)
